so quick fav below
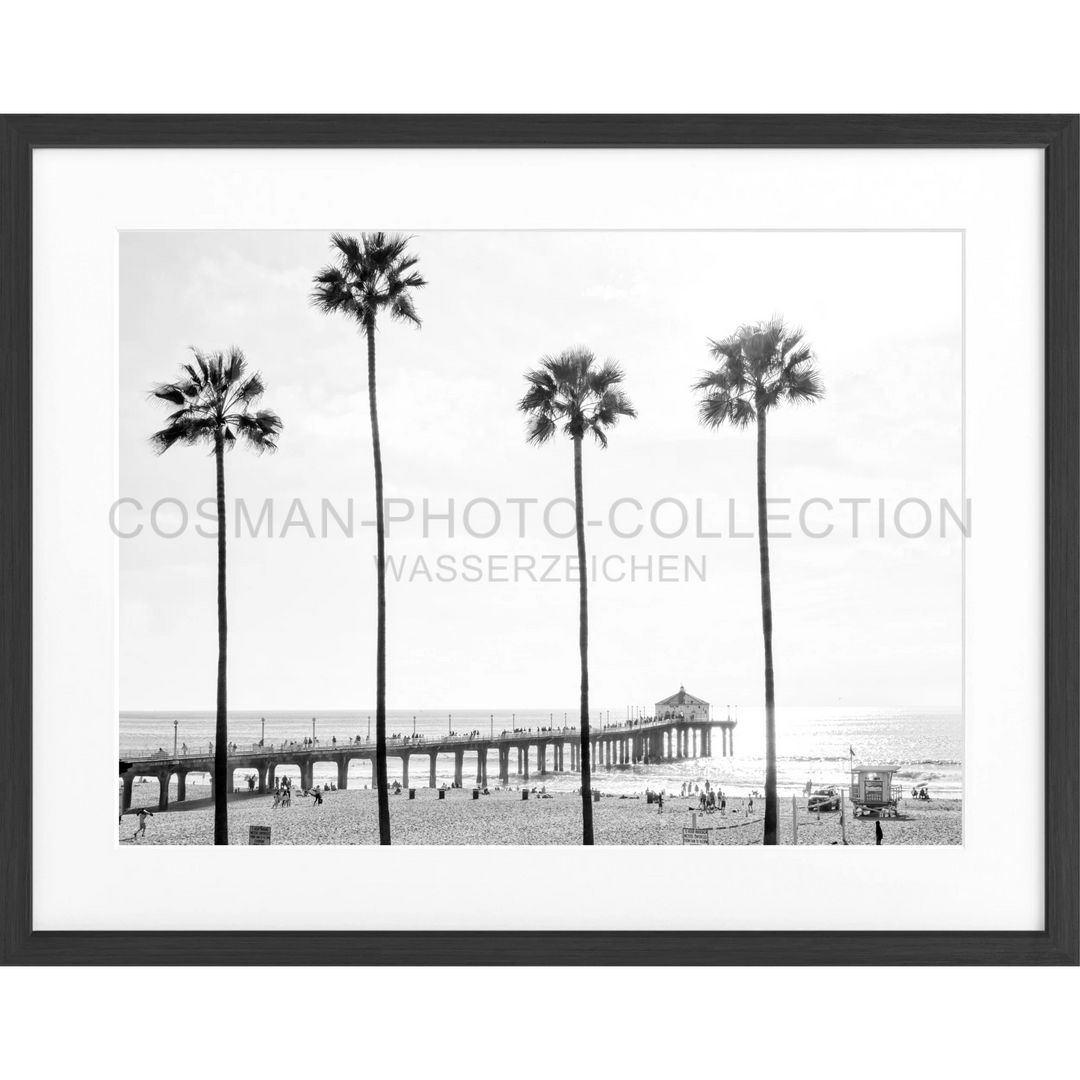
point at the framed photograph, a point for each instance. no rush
(481, 512)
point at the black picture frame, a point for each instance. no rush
(1055, 135)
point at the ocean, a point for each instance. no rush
(813, 743)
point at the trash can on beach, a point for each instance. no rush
(476, 793)
(412, 793)
(525, 794)
(442, 793)
(596, 796)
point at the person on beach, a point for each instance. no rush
(723, 805)
(878, 833)
(318, 798)
(660, 803)
(277, 798)
(750, 805)
(141, 830)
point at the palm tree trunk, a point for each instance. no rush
(586, 778)
(771, 809)
(221, 820)
(380, 633)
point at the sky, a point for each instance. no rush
(858, 620)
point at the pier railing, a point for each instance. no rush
(399, 742)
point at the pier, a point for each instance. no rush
(547, 750)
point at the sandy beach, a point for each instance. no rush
(349, 817)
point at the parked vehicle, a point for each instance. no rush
(824, 799)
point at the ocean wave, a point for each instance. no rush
(829, 759)
(924, 775)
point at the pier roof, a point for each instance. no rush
(682, 698)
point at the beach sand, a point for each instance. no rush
(350, 817)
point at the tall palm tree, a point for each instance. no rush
(370, 276)
(758, 367)
(215, 399)
(573, 392)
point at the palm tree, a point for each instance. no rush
(758, 367)
(369, 276)
(574, 392)
(214, 401)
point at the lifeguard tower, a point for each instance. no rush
(872, 790)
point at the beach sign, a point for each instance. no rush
(258, 834)
(695, 836)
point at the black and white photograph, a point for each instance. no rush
(541, 537)
(482, 513)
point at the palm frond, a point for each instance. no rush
(767, 397)
(804, 385)
(538, 398)
(539, 429)
(729, 348)
(259, 430)
(234, 364)
(167, 437)
(719, 408)
(792, 343)
(350, 250)
(601, 379)
(169, 392)
(250, 389)
(204, 366)
(384, 250)
(401, 308)
(596, 429)
(188, 430)
(612, 405)
(799, 354)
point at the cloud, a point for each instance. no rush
(615, 292)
